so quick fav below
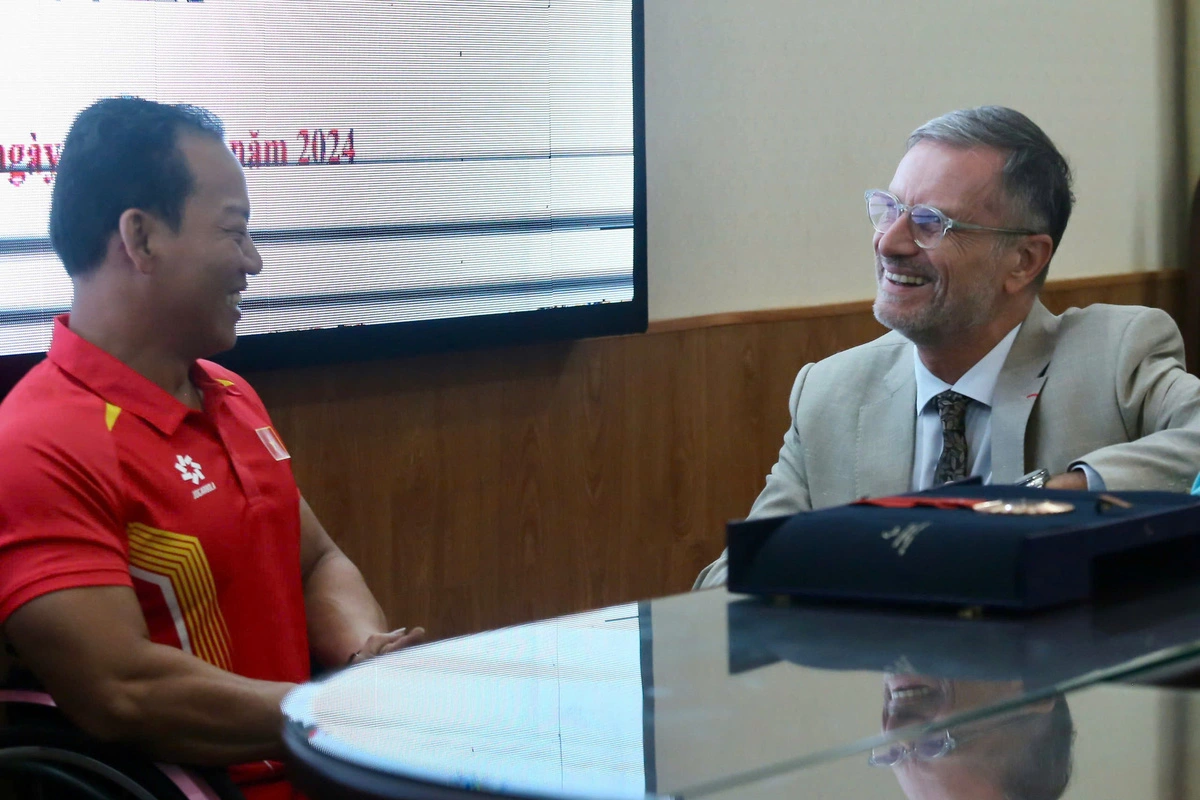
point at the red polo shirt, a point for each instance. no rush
(107, 480)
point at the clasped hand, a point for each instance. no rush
(379, 643)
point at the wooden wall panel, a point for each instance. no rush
(485, 488)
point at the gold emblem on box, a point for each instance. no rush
(1030, 507)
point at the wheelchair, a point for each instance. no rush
(44, 757)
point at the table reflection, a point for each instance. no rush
(714, 696)
(1114, 741)
(1021, 753)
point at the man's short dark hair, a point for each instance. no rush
(1036, 177)
(121, 153)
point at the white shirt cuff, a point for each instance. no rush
(1095, 482)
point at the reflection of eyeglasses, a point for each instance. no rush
(928, 225)
(935, 745)
(925, 749)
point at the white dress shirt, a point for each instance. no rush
(979, 384)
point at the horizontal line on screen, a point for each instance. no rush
(415, 230)
(397, 296)
(534, 156)
(425, 230)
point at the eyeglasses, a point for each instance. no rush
(924, 749)
(928, 225)
(938, 744)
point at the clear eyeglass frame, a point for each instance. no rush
(927, 224)
(926, 748)
(938, 744)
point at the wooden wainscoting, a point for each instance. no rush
(485, 488)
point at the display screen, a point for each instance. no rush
(428, 161)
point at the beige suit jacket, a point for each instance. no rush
(1105, 385)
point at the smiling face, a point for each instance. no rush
(989, 758)
(203, 267)
(934, 296)
(915, 699)
(986, 752)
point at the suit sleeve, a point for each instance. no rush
(786, 491)
(1159, 403)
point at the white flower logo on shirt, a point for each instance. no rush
(189, 470)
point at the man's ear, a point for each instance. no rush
(1032, 255)
(139, 232)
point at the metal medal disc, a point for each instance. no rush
(1032, 507)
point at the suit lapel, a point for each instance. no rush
(1017, 390)
(886, 430)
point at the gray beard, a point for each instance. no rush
(933, 325)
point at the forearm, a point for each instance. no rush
(1162, 461)
(1159, 406)
(180, 709)
(341, 610)
(90, 649)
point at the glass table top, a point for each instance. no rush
(1120, 742)
(715, 695)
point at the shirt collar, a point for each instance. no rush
(979, 382)
(119, 384)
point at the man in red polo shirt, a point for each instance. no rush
(160, 573)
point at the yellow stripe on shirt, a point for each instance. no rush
(181, 559)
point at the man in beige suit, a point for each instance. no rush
(976, 377)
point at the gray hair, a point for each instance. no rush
(1041, 768)
(1035, 178)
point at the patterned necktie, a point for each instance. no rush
(952, 464)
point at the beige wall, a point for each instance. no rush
(766, 119)
(1191, 89)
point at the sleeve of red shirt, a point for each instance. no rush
(60, 512)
